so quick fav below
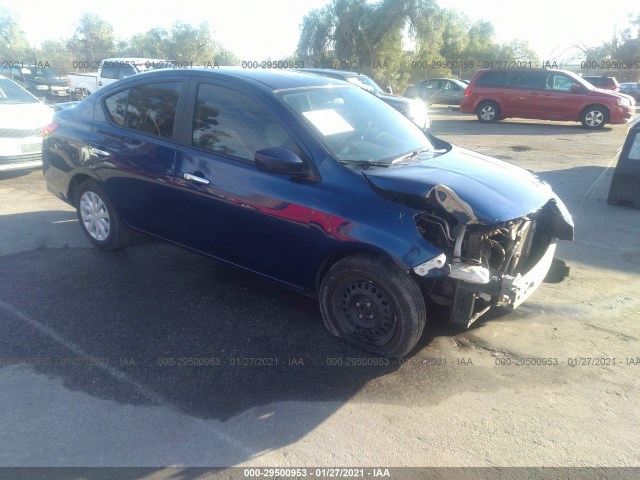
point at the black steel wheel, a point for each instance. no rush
(372, 304)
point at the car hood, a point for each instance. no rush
(474, 188)
(24, 116)
(58, 82)
(396, 101)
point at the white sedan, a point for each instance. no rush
(22, 118)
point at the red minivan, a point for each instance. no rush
(543, 94)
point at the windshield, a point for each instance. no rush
(365, 82)
(356, 127)
(10, 92)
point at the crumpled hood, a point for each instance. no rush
(473, 187)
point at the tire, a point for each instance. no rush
(488, 112)
(99, 220)
(594, 117)
(362, 286)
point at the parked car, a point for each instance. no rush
(631, 88)
(543, 94)
(42, 81)
(438, 90)
(416, 111)
(311, 182)
(111, 70)
(601, 81)
(22, 117)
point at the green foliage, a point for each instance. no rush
(13, 44)
(92, 39)
(402, 41)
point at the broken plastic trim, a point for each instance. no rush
(436, 262)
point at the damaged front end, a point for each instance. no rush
(485, 265)
(494, 225)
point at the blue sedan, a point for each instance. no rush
(313, 183)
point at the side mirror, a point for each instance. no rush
(575, 88)
(280, 160)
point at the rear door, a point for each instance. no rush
(227, 207)
(451, 93)
(133, 151)
(525, 94)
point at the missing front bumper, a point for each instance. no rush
(471, 300)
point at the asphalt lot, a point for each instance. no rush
(97, 350)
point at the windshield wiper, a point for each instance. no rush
(365, 163)
(414, 154)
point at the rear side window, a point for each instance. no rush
(109, 72)
(231, 123)
(526, 79)
(491, 79)
(147, 108)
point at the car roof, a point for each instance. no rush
(331, 72)
(136, 60)
(269, 79)
(444, 78)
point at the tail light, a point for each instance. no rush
(467, 92)
(49, 129)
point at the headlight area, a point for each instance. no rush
(485, 265)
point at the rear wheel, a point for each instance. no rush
(98, 218)
(372, 304)
(488, 112)
(594, 117)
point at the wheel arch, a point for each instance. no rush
(75, 182)
(604, 108)
(337, 255)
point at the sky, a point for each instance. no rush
(257, 30)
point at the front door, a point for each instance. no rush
(227, 207)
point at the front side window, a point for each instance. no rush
(559, 83)
(146, 108)
(230, 123)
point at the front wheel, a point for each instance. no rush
(488, 112)
(594, 117)
(98, 218)
(372, 304)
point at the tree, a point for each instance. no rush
(58, 56)
(13, 44)
(93, 39)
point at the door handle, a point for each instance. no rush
(99, 84)
(99, 153)
(195, 178)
